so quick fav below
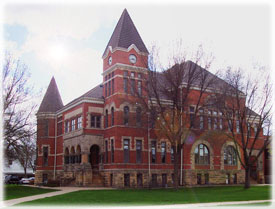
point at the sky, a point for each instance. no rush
(67, 40)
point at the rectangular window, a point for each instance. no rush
(198, 178)
(221, 123)
(172, 155)
(206, 178)
(132, 86)
(139, 151)
(73, 124)
(164, 179)
(106, 151)
(154, 180)
(139, 75)
(153, 151)
(132, 74)
(163, 152)
(215, 113)
(126, 150)
(112, 151)
(139, 180)
(109, 88)
(191, 109)
(98, 121)
(113, 74)
(125, 73)
(235, 181)
(67, 124)
(45, 156)
(95, 121)
(126, 179)
(45, 178)
(125, 85)
(59, 128)
(139, 88)
(215, 123)
(113, 86)
(209, 123)
(79, 122)
(105, 89)
(238, 126)
(192, 120)
(230, 125)
(201, 122)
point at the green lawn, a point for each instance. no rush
(12, 191)
(156, 196)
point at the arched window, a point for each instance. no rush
(201, 155)
(138, 116)
(230, 157)
(126, 115)
(78, 154)
(106, 119)
(112, 116)
(66, 156)
(72, 156)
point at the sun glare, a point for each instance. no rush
(58, 53)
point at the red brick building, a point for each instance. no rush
(98, 139)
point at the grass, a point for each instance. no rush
(156, 196)
(12, 191)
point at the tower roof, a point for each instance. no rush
(126, 34)
(52, 100)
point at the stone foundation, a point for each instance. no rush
(215, 176)
(83, 176)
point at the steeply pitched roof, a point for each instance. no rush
(126, 34)
(52, 100)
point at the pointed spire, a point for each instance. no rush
(52, 100)
(126, 34)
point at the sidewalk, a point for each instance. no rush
(63, 190)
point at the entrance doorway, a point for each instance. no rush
(94, 156)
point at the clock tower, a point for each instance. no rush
(125, 61)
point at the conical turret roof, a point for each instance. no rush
(52, 100)
(126, 34)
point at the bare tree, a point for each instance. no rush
(25, 153)
(168, 94)
(246, 103)
(17, 106)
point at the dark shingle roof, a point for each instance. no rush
(52, 100)
(126, 34)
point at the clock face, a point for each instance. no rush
(110, 60)
(132, 58)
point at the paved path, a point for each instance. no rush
(64, 190)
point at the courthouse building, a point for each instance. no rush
(101, 139)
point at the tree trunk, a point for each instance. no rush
(176, 167)
(25, 172)
(247, 178)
